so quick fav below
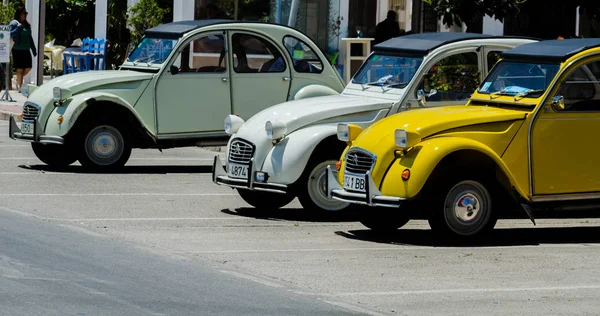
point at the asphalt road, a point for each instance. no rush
(165, 207)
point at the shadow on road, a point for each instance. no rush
(499, 237)
(293, 214)
(124, 170)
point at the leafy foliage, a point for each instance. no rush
(7, 12)
(144, 15)
(457, 11)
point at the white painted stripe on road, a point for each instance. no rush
(138, 159)
(251, 278)
(304, 250)
(118, 194)
(353, 308)
(15, 146)
(473, 290)
(151, 219)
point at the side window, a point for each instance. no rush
(205, 54)
(305, 59)
(581, 88)
(453, 78)
(253, 54)
(492, 59)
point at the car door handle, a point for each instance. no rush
(224, 79)
(285, 78)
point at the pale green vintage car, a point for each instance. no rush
(173, 91)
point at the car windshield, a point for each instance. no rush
(388, 71)
(152, 51)
(519, 79)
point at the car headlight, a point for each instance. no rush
(405, 139)
(29, 89)
(275, 129)
(232, 124)
(348, 132)
(61, 94)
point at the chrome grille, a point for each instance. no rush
(240, 152)
(359, 162)
(30, 112)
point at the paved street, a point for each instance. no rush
(138, 234)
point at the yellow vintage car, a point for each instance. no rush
(526, 138)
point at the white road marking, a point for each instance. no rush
(118, 194)
(304, 250)
(251, 278)
(138, 159)
(353, 308)
(150, 219)
(15, 146)
(473, 290)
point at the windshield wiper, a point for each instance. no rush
(391, 85)
(141, 59)
(369, 84)
(525, 93)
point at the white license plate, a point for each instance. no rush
(26, 128)
(237, 171)
(354, 183)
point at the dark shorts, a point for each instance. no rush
(21, 58)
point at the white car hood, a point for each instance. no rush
(300, 113)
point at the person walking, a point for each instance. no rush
(388, 28)
(20, 32)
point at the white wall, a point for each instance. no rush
(35, 10)
(183, 10)
(492, 26)
(100, 27)
(382, 9)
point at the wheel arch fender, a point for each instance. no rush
(434, 155)
(287, 160)
(314, 90)
(80, 104)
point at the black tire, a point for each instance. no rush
(383, 220)
(54, 155)
(464, 209)
(265, 200)
(100, 135)
(310, 187)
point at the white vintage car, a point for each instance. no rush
(283, 151)
(173, 91)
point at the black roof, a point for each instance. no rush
(423, 43)
(551, 50)
(177, 29)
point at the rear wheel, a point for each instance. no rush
(265, 200)
(465, 210)
(54, 155)
(106, 145)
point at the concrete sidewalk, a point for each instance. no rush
(7, 108)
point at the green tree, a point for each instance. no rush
(7, 12)
(144, 15)
(455, 12)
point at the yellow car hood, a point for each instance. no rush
(431, 121)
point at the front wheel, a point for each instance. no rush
(312, 189)
(105, 146)
(265, 200)
(54, 155)
(467, 210)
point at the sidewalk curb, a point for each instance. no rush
(5, 116)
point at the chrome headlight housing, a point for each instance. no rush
(61, 94)
(405, 139)
(275, 130)
(232, 124)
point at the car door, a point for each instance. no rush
(260, 76)
(451, 80)
(564, 142)
(194, 94)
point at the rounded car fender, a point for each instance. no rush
(72, 109)
(425, 157)
(286, 161)
(314, 90)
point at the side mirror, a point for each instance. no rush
(174, 70)
(431, 92)
(558, 103)
(421, 97)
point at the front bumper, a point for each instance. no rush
(372, 196)
(14, 132)
(220, 177)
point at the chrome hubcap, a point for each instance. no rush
(104, 145)
(317, 188)
(467, 206)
